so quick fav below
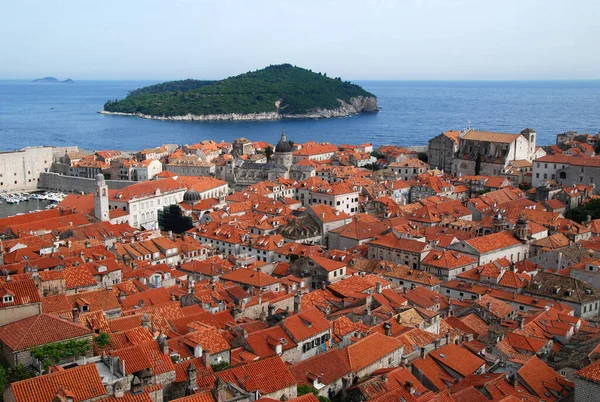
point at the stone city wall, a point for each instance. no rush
(72, 184)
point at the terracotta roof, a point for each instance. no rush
(497, 307)
(327, 263)
(369, 350)
(82, 383)
(145, 355)
(447, 259)
(23, 292)
(490, 136)
(392, 241)
(328, 367)
(201, 397)
(457, 359)
(432, 371)
(590, 372)
(306, 324)
(249, 277)
(39, 330)
(494, 241)
(266, 376)
(325, 213)
(78, 277)
(263, 343)
(544, 381)
(146, 189)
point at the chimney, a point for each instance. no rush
(191, 379)
(119, 390)
(163, 344)
(221, 390)
(297, 302)
(146, 321)
(387, 328)
(323, 285)
(447, 337)
(75, 314)
(521, 321)
(206, 358)
(378, 287)
(514, 381)
(410, 387)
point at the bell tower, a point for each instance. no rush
(101, 208)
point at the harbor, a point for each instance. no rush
(21, 203)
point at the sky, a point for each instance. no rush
(359, 40)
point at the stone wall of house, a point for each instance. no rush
(17, 313)
(284, 394)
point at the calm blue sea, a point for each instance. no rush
(412, 112)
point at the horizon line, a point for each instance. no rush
(351, 80)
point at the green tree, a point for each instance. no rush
(309, 389)
(372, 166)
(376, 154)
(3, 380)
(423, 156)
(269, 153)
(102, 340)
(580, 214)
(478, 165)
(220, 366)
(20, 372)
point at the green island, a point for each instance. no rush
(277, 91)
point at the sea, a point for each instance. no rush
(412, 112)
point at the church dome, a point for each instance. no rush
(191, 196)
(283, 145)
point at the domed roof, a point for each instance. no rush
(191, 196)
(283, 145)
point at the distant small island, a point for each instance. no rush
(52, 80)
(275, 92)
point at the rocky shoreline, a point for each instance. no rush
(358, 105)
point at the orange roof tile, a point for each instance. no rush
(368, 350)
(82, 383)
(457, 359)
(266, 375)
(306, 324)
(39, 330)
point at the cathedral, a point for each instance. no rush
(243, 173)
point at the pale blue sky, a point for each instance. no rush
(380, 39)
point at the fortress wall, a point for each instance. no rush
(72, 184)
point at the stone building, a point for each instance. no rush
(242, 173)
(442, 149)
(491, 152)
(242, 146)
(20, 170)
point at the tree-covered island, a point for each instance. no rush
(278, 91)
